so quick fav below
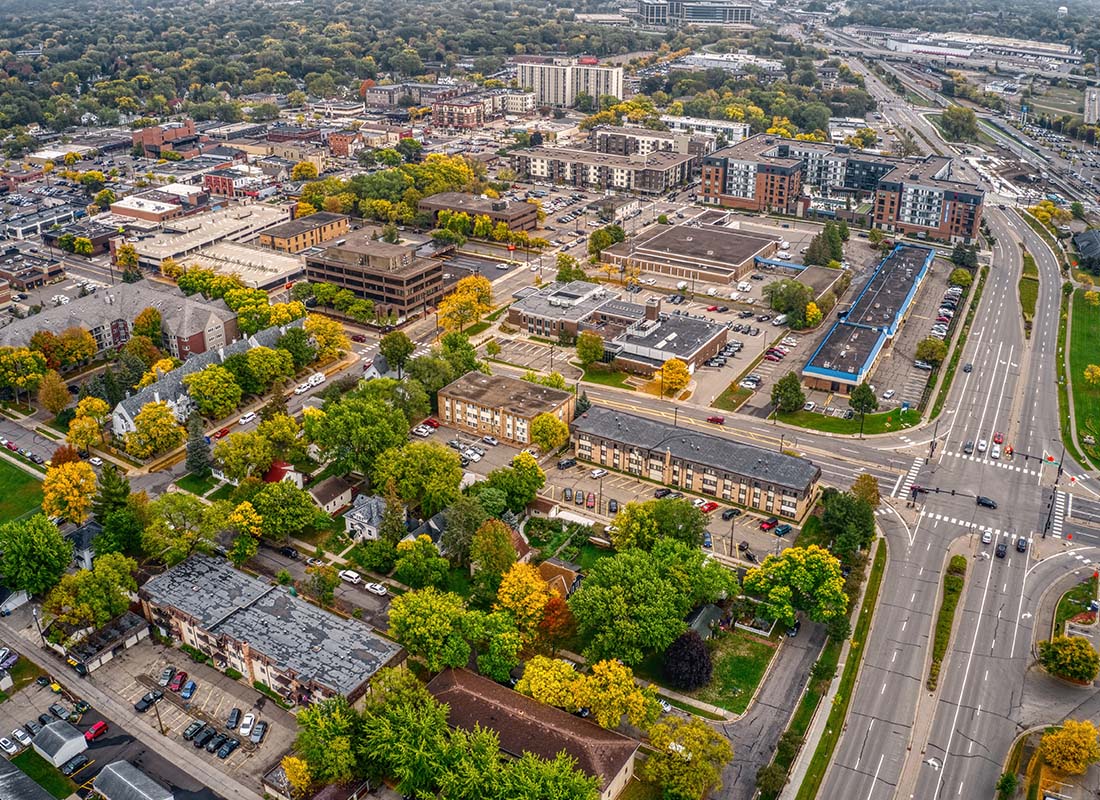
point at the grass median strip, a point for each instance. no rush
(1029, 291)
(953, 583)
(834, 725)
(1086, 397)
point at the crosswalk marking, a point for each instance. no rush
(1059, 515)
(993, 463)
(910, 477)
(997, 532)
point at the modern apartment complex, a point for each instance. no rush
(732, 132)
(496, 405)
(393, 276)
(762, 479)
(642, 141)
(768, 173)
(558, 81)
(655, 173)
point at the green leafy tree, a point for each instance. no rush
(112, 493)
(464, 517)
(491, 553)
(959, 124)
(286, 510)
(33, 554)
(498, 642)
(181, 524)
(148, 323)
(430, 625)
(427, 475)
(244, 454)
(297, 342)
(850, 521)
(789, 297)
(589, 348)
(214, 391)
(419, 564)
(322, 583)
(642, 524)
(92, 598)
(960, 277)
(327, 740)
(397, 347)
(354, 431)
(787, 394)
(800, 579)
(198, 448)
(548, 432)
(1070, 657)
(862, 400)
(932, 350)
(518, 482)
(687, 758)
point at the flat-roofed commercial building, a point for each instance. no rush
(709, 253)
(392, 276)
(655, 173)
(645, 345)
(754, 477)
(847, 355)
(517, 216)
(305, 232)
(500, 406)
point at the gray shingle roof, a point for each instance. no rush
(707, 449)
(15, 784)
(56, 735)
(1088, 242)
(121, 780)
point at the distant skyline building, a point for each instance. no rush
(1092, 105)
(675, 13)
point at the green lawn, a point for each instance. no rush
(588, 554)
(1029, 298)
(605, 378)
(639, 790)
(44, 774)
(953, 583)
(20, 493)
(732, 398)
(222, 492)
(885, 422)
(813, 533)
(1085, 332)
(196, 485)
(1073, 603)
(740, 661)
(459, 581)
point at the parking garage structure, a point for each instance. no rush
(848, 353)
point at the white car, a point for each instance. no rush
(8, 746)
(351, 576)
(490, 440)
(247, 724)
(888, 394)
(665, 705)
(982, 445)
(247, 418)
(473, 455)
(302, 388)
(21, 737)
(598, 473)
(316, 379)
(422, 430)
(995, 452)
(698, 501)
(810, 406)
(749, 385)
(95, 461)
(376, 588)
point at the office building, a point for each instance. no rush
(704, 252)
(518, 216)
(305, 232)
(558, 81)
(762, 479)
(676, 13)
(500, 406)
(171, 137)
(392, 276)
(655, 173)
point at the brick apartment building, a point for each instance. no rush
(519, 216)
(500, 406)
(305, 232)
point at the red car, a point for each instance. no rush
(221, 434)
(706, 508)
(769, 523)
(178, 681)
(998, 438)
(717, 420)
(12, 446)
(95, 731)
(712, 308)
(772, 357)
(358, 337)
(431, 422)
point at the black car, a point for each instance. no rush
(1002, 550)
(566, 463)
(215, 742)
(228, 747)
(45, 719)
(1021, 545)
(659, 493)
(730, 513)
(204, 736)
(193, 730)
(612, 506)
(794, 629)
(33, 728)
(986, 502)
(74, 764)
(289, 552)
(144, 704)
(234, 719)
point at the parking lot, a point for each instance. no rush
(114, 745)
(135, 672)
(540, 357)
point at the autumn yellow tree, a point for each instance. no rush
(67, 491)
(84, 434)
(155, 431)
(159, 369)
(1071, 748)
(170, 268)
(813, 315)
(551, 681)
(328, 337)
(673, 376)
(865, 487)
(245, 519)
(1092, 374)
(609, 692)
(478, 285)
(303, 171)
(297, 775)
(523, 594)
(304, 209)
(53, 394)
(471, 298)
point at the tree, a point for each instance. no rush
(21, 369)
(243, 455)
(67, 491)
(790, 297)
(813, 315)
(1006, 786)
(322, 583)
(155, 431)
(83, 433)
(326, 741)
(642, 524)
(429, 624)
(634, 602)
(113, 494)
(960, 277)
(589, 348)
(181, 524)
(557, 625)
(456, 350)
(875, 237)
(92, 598)
(674, 376)
(800, 579)
(552, 682)
(932, 350)
(771, 779)
(286, 510)
(959, 124)
(865, 487)
(427, 475)
(303, 171)
(459, 309)
(850, 521)
(491, 554)
(298, 775)
(64, 454)
(327, 337)
(354, 431)
(198, 448)
(297, 342)
(687, 758)
(523, 594)
(1092, 375)
(1072, 748)
(1077, 209)
(687, 664)
(1092, 297)
(548, 432)
(569, 269)
(464, 517)
(1070, 657)
(121, 531)
(498, 643)
(419, 564)
(103, 199)
(33, 554)
(519, 483)
(862, 400)
(609, 692)
(148, 323)
(53, 394)
(787, 394)
(396, 346)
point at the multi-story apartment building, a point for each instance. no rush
(305, 232)
(642, 141)
(460, 113)
(267, 633)
(754, 477)
(732, 132)
(500, 406)
(660, 13)
(558, 81)
(345, 144)
(655, 173)
(768, 173)
(391, 275)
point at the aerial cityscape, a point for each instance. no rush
(629, 400)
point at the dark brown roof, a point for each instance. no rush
(329, 489)
(559, 576)
(527, 726)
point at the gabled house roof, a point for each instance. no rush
(52, 738)
(329, 489)
(121, 780)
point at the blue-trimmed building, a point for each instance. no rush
(847, 354)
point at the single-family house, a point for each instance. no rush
(82, 539)
(364, 518)
(563, 577)
(331, 494)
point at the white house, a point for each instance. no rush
(364, 517)
(331, 494)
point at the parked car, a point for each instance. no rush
(730, 513)
(193, 730)
(598, 473)
(166, 676)
(490, 440)
(1002, 550)
(289, 552)
(708, 542)
(177, 681)
(74, 764)
(590, 501)
(247, 418)
(33, 728)
(217, 741)
(567, 494)
(258, 732)
(662, 492)
(228, 747)
(612, 506)
(782, 530)
(8, 746)
(708, 507)
(716, 420)
(188, 690)
(578, 498)
(59, 711)
(351, 576)
(566, 463)
(94, 732)
(769, 523)
(234, 719)
(247, 724)
(376, 588)
(204, 736)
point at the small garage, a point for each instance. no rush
(58, 742)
